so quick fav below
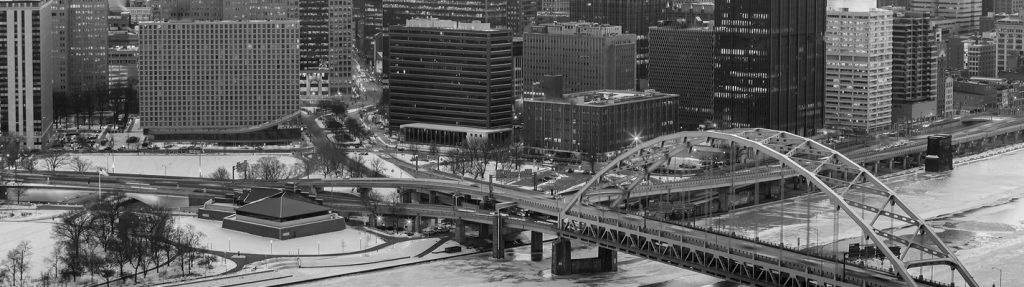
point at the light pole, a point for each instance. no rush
(229, 244)
(271, 247)
(1000, 275)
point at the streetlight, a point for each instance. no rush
(229, 244)
(271, 247)
(318, 247)
(1000, 275)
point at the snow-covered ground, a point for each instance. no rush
(37, 234)
(217, 238)
(387, 168)
(480, 270)
(173, 164)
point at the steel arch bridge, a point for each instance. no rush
(852, 191)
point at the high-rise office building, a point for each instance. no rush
(78, 31)
(232, 75)
(341, 34)
(634, 16)
(858, 69)
(966, 14)
(450, 81)
(681, 63)
(590, 56)
(915, 63)
(770, 76)
(25, 98)
(553, 10)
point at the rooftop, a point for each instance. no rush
(280, 206)
(448, 128)
(448, 24)
(606, 97)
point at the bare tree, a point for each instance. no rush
(71, 235)
(435, 152)
(358, 165)
(80, 164)
(377, 165)
(297, 170)
(28, 162)
(269, 168)
(54, 159)
(221, 173)
(16, 189)
(372, 201)
(17, 263)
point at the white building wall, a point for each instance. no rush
(858, 67)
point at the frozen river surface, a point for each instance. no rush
(983, 201)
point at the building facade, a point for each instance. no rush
(590, 56)
(450, 74)
(598, 121)
(230, 75)
(78, 31)
(494, 12)
(634, 16)
(858, 69)
(966, 14)
(915, 61)
(979, 58)
(26, 107)
(1009, 43)
(681, 63)
(770, 72)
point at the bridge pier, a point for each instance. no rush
(460, 230)
(536, 246)
(497, 243)
(563, 264)
(433, 197)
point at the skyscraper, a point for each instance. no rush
(25, 99)
(232, 76)
(450, 80)
(341, 31)
(78, 31)
(1010, 38)
(681, 63)
(591, 56)
(858, 90)
(771, 64)
(915, 65)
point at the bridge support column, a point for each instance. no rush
(724, 198)
(460, 230)
(433, 197)
(497, 243)
(563, 264)
(891, 161)
(485, 230)
(416, 224)
(536, 246)
(757, 193)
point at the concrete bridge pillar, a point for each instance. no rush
(757, 193)
(891, 161)
(485, 230)
(536, 246)
(497, 243)
(563, 264)
(416, 224)
(406, 195)
(874, 167)
(905, 160)
(460, 230)
(724, 198)
(433, 197)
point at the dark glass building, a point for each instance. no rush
(314, 50)
(770, 58)
(681, 63)
(445, 73)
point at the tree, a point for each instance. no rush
(336, 106)
(372, 201)
(16, 190)
(356, 128)
(70, 234)
(17, 264)
(269, 168)
(80, 164)
(357, 168)
(221, 173)
(28, 162)
(54, 159)
(297, 170)
(377, 165)
(435, 152)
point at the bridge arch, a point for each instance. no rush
(824, 168)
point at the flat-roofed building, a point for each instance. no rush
(449, 73)
(590, 56)
(228, 75)
(598, 121)
(858, 72)
(26, 107)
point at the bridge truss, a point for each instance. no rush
(655, 179)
